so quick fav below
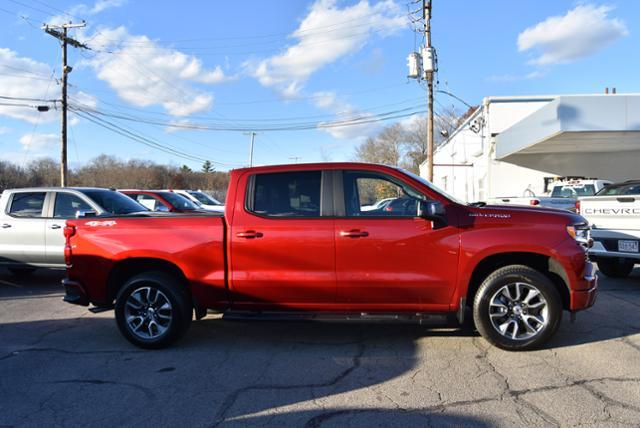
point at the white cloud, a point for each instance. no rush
(22, 77)
(101, 5)
(326, 34)
(344, 112)
(583, 31)
(144, 73)
(85, 10)
(39, 142)
(536, 74)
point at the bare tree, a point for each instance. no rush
(405, 145)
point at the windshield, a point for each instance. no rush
(573, 191)
(114, 202)
(204, 198)
(620, 189)
(431, 186)
(178, 201)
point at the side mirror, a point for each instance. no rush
(434, 211)
(85, 213)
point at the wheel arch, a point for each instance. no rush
(543, 263)
(127, 268)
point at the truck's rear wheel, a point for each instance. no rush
(517, 308)
(153, 310)
(615, 267)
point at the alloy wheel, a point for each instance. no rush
(518, 311)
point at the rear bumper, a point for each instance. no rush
(74, 293)
(587, 293)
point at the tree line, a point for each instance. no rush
(111, 172)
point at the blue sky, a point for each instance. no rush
(232, 67)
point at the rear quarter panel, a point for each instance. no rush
(193, 244)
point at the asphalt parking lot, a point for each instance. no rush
(61, 365)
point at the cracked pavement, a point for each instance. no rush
(61, 365)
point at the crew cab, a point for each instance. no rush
(615, 216)
(294, 242)
(31, 222)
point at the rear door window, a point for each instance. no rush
(375, 195)
(287, 194)
(27, 204)
(68, 205)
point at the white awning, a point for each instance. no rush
(579, 135)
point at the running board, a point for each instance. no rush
(408, 318)
(98, 309)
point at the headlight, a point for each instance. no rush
(581, 233)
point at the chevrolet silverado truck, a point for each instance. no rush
(614, 214)
(295, 243)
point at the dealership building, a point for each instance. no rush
(510, 145)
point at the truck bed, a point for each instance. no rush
(102, 247)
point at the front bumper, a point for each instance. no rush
(586, 296)
(74, 293)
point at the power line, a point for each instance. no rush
(4, 97)
(137, 136)
(274, 127)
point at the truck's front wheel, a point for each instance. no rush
(153, 309)
(615, 267)
(517, 308)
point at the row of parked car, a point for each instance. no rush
(32, 219)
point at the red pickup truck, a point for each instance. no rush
(294, 242)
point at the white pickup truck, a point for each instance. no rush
(563, 195)
(614, 215)
(32, 220)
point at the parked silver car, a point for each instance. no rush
(32, 219)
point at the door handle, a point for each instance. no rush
(355, 233)
(249, 234)
(55, 226)
(6, 226)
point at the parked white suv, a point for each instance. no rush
(614, 215)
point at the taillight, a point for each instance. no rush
(69, 231)
(578, 207)
(534, 202)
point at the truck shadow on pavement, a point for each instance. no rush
(242, 372)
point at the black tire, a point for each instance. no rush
(615, 267)
(179, 314)
(22, 271)
(529, 279)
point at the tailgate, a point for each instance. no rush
(612, 212)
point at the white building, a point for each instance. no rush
(510, 144)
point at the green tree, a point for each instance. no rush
(207, 167)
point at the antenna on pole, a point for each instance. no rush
(60, 33)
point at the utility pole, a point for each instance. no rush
(423, 66)
(429, 69)
(253, 137)
(295, 159)
(60, 33)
